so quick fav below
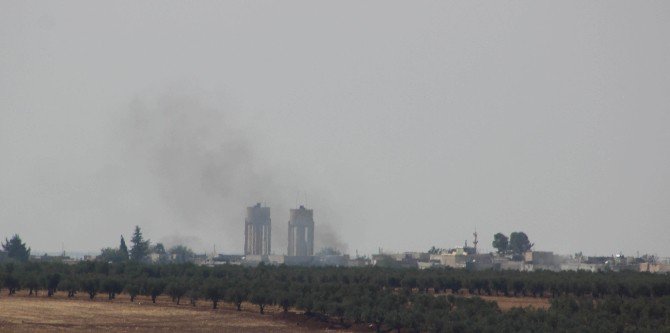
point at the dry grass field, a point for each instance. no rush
(23, 313)
(506, 303)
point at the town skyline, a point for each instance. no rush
(401, 128)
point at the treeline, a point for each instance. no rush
(142, 249)
(405, 300)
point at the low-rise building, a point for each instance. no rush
(581, 266)
(654, 267)
(543, 258)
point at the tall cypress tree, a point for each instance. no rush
(123, 249)
(140, 248)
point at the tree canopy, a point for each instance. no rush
(516, 244)
(435, 250)
(123, 249)
(406, 300)
(16, 249)
(500, 243)
(140, 249)
(109, 254)
(181, 253)
(519, 243)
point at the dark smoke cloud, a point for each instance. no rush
(196, 172)
(199, 163)
(327, 237)
(179, 239)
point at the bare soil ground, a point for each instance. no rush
(22, 313)
(506, 303)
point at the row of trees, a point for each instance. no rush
(141, 250)
(33, 275)
(413, 300)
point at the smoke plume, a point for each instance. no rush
(189, 169)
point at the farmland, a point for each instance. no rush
(141, 297)
(39, 313)
(25, 313)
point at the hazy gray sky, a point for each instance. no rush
(403, 124)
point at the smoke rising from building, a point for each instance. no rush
(192, 241)
(439, 116)
(188, 166)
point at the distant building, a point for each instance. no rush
(404, 260)
(272, 259)
(427, 264)
(307, 261)
(359, 262)
(231, 259)
(452, 260)
(257, 231)
(540, 258)
(333, 260)
(301, 232)
(396, 260)
(580, 266)
(654, 267)
(59, 258)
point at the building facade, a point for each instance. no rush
(301, 232)
(257, 231)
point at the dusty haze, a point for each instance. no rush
(402, 124)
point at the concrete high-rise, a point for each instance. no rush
(257, 230)
(301, 232)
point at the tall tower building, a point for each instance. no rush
(257, 230)
(301, 232)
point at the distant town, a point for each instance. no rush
(514, 253)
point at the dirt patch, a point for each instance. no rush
(506, 303)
